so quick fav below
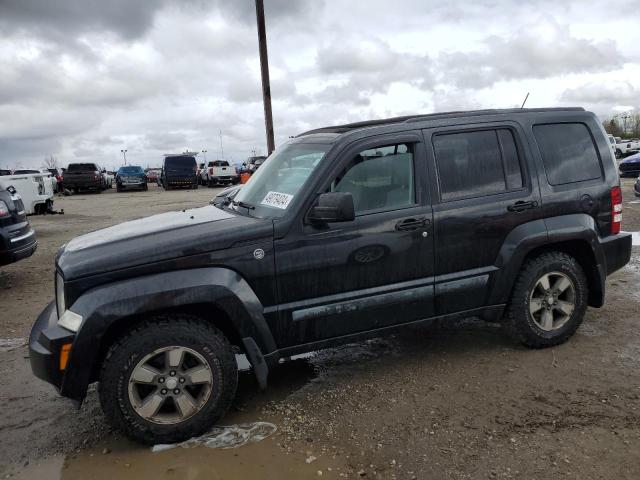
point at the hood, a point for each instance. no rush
(635, 158)
(156, 239)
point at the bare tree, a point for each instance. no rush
(50, 162)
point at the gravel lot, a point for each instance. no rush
(460, 401)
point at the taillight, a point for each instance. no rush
(616, 210)
(4, 209)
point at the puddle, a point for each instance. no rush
(231, 436)
(248, 449)
(9, 344)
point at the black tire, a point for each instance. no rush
(519, 322)
(145, 187)
(118, 188)
(618, 153)
(164, 331)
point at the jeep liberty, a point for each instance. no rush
(344, 233)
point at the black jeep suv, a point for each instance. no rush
(344, 233)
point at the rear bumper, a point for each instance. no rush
(616, 250)
(182, 181)
(16, 248)
(45, 341)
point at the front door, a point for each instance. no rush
(373, 272)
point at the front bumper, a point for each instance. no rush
(131, 184)
(45, 342)
(629, 169)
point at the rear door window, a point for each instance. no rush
(477, 163)
(568, 152)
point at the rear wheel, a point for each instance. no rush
(618, 153)
(548, 302)
(168, 379)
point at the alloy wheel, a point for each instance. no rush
(170, 385)
(552, 301)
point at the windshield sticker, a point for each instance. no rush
(277, 200)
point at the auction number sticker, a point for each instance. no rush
(277, 200)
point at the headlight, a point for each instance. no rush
(60, 302)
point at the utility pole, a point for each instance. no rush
(221, 149)
(124, 154)
(264, 69)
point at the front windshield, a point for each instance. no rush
(277, 182)
(131, 170)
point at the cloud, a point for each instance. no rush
(541, 50)
(83, 79)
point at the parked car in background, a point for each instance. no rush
(219, 172)
(626, 147)
(630, 166)
(348, 232)
(153, 174)
(4, 173)
(255, 162)
(179, 171)
(35, 190)
(131, 177)
(109, 178)
(85, 176)
(199, 170)
(17, 238)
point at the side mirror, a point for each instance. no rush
(332, 207)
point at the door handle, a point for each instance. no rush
(409, 224)
(521, 206)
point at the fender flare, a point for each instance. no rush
(103, 306)
(525, 238)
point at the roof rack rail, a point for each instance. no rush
(432, 116)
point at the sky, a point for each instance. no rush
(84, 79)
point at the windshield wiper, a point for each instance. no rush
(240, 203)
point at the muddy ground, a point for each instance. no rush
(460, 401)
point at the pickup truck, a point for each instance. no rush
(85, 176)
(626, 147)
(35, 190)
(219, 172)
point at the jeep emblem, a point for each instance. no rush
(258, 254)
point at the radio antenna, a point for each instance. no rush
(525, 100)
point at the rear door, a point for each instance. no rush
(483, 189)
(373, 272)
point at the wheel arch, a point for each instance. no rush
(575, 235)
(219, 295)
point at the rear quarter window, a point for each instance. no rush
(568, 152)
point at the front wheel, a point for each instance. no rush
(168, 379)
(548, 301)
